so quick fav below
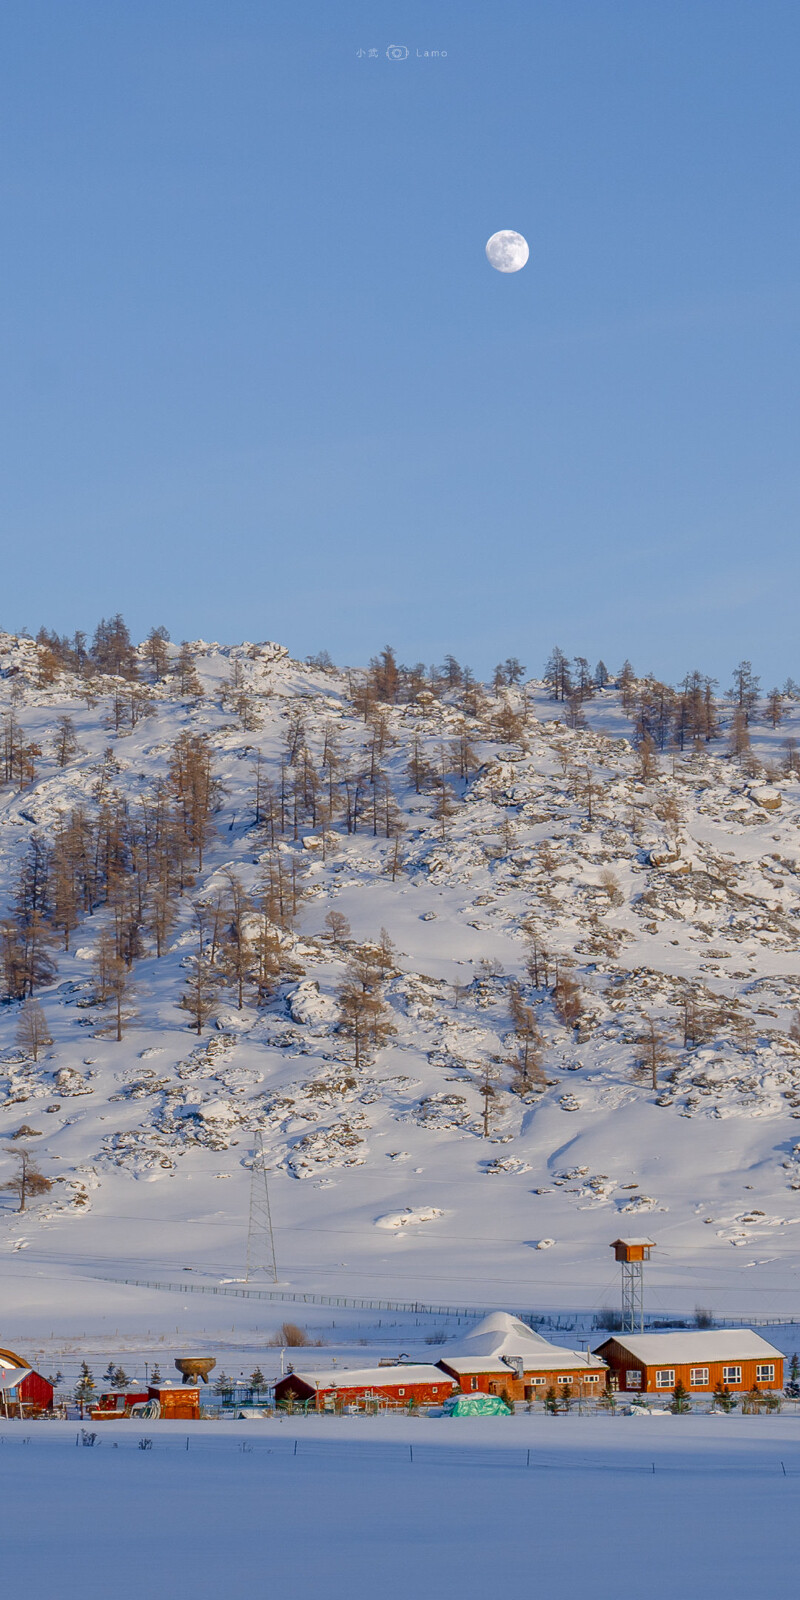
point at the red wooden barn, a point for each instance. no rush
(22, 1390)
(364, 1387)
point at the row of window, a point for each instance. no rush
(698, 1376)
(564, 1379)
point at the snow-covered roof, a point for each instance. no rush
(378, 1377)
(721, 1344)
(550, 1359)
(11, 1376)
(499, 1335)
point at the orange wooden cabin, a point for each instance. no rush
(632, 1249)
(730, 1358)
(178, 1402)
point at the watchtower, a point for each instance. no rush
(632, 1254)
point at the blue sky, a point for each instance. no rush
(258, 380)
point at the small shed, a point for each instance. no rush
(730, 1358)
(177, 1402)
(23, 1391)
(365, 1387)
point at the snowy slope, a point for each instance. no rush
(382, 1181)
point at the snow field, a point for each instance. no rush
(406, 1508)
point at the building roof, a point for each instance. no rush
(650, 1242)
(500, 1338)
(551, 1359)
(11, 1376)
(675, 1349)
(498, 1335)
(375, 1377)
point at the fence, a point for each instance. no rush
(564, 1321)
(355, 1453)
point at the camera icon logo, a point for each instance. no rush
(397, 52)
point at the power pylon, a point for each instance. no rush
(260, 1237)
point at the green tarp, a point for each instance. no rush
(476, 1405)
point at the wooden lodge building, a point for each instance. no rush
(401, 1386)
(503, 1356)
(731, 1358)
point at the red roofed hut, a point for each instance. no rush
(23, 1392)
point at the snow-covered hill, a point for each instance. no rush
(641, 914)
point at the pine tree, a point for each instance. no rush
(680, 1398)
(84, 1388)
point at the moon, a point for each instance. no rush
(507, 251)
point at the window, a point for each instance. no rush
(698, 1377)
(537, 1380)
(731, 1375)
(765, 1373)
(633, 1378)
(401, 1391)
(473, 1383)
(565, 1380)
(665, 1378)
(435, 1389)
(592, 1377)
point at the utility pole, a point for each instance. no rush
(260, 1237)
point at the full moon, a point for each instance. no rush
(507, 251)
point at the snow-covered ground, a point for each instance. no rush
(381, 1181)
(689, 1506)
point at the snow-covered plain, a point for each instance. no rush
(689, 1506)
(381, 1182)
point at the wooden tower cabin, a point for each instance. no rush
(632, 1254)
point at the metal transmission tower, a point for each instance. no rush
(260, 1238)
(632, 1254)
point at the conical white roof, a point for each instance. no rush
(499, 1335)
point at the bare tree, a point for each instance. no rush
(655, 1053)
(113, 982)
(364, 1016)
(200, 995)
(66, 741)
(28, 1181)
(488, 1092)
(338, 927)
(33, 1033)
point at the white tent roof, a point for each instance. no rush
(499, 1335)
(676, 1349)
(499, 1339)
